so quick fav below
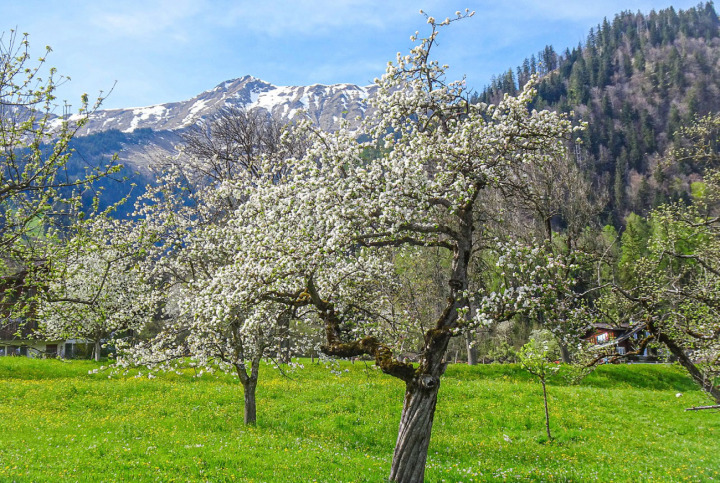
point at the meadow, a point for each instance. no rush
(63, 422)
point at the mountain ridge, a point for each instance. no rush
(324, 105)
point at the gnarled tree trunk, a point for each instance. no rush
(705, 383)
(408, 464)
(422, 382)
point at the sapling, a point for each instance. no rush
(537, 357)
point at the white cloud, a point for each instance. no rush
(309, 17)
(144, 20)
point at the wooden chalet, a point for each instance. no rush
(621, 338)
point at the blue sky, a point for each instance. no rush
(170, 50)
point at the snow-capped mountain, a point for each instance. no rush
(325, 105)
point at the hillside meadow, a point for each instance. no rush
(62, 422)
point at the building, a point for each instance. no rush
(16, 339)
(621, 339)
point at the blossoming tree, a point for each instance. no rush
(667, 291)
(324, 238)
(94, 290)
(37, 185)
(673, 295)
(34, 143)
(189, 253)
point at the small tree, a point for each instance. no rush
(94, 290)
(191, 250)
(538, 357)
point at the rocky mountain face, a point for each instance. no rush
(145, 134)
(325, 105)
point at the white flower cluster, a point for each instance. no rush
(318, 242)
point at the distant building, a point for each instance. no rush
(622, 339)
(16, 339)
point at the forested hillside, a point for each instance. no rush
(95, 150)
(636, 81)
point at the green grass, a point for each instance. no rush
(623, 423)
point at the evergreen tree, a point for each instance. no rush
(636, 80)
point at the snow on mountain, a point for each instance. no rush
(324, 104)
(162, 125)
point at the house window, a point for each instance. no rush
(621, 350)
(601, 338)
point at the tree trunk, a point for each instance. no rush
(98, 348)
(422, 382)
(706, 383)
(283, 354)
(250, 403)
(547, 414)
(472, 354)
(249, 384)
(548, 229)
(408, 465)
(564, 353)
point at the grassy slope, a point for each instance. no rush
(624, 423)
